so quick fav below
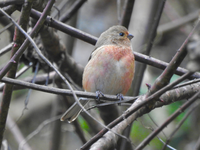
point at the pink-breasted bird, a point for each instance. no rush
(110, 69)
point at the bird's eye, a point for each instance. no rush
(121, 34)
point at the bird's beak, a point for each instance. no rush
(130, 36)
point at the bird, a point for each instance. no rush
(110, 69)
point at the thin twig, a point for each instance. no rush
(65, 28)
(6, 27)
(16, 132)
(18, 74)
(126, 13)
(153, 30)
(169, 120)
(6, 49)
(156, 124)
(40, 79)
(9, 9)
(161, 64)
(187, 83)
(11, 2)
(152, 129)
(22, 70)
(60, 7)
(18, 40)
(195, 105)
(72, 10)
(166, 75)
(178, 22)
(36, 131)
(26, 43)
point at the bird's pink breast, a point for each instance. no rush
(110, 70)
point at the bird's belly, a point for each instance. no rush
(108, 80)
(109, 76)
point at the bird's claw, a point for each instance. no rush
(120, 97)
(99, 94)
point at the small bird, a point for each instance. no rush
(110, 69)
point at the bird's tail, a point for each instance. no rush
(72, 113)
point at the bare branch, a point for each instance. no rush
(16, 132)
(165, 77)
(36, 131)
(18, 40)
(195, 105)
(172, 117)
(171, 26)
(65, 28)
(126, 13)
(6, 49)
(161, 64)
(9, 9)
(11, 2)
(73, 9)
(25, 44)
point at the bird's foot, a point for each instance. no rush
(99, 94)
(120, 97)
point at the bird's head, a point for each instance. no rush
(116, 35)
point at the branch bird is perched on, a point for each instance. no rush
(110, 69)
